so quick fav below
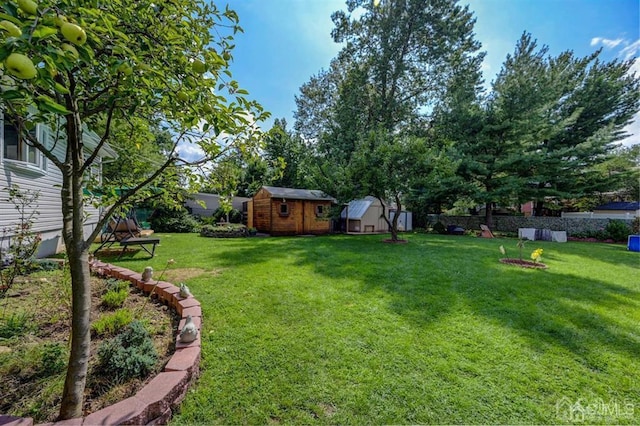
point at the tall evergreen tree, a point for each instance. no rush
(397, 57)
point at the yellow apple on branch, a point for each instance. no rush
(29, 7)
(11, 28)
(67, 48)
(199, 66)
(60, 20)
(73, 33)
(20, 66)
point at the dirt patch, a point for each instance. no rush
(28, 390)
(524, 263)
(179, 275)
(390, 241)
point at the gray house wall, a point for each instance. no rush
(211, 203)
(49, 205)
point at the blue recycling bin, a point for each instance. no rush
(633, 243)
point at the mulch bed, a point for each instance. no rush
(524, 263)
(46, 301)
(390, 241)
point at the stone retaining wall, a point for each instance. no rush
(512, 223)
(154, 403)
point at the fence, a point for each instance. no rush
(592, 215)
(512, 223)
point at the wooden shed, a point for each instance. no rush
(288, 211)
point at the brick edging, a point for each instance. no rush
(156, 401)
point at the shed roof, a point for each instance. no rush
(620, 205)
(298, 194)
(357, 209)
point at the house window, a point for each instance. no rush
(15, 146)
(319, 210)
(284, 209)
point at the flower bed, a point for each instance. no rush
(155, 402)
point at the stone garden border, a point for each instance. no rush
(155, 403)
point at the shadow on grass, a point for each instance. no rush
(426, 278)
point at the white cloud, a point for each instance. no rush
(633, 128)
(190, 151)
(608, 43)
(631, 50)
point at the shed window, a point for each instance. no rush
(284, 209)
(319, 210)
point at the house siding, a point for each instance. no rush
(212, 203)
(48, 222)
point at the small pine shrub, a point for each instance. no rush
(130, 354)
(53, 359)
(111, 323)
(114, 284)
(635, 226)
(617, 230)
(115, 299)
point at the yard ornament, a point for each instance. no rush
(184, 291)
(147, 274)
(189, 332)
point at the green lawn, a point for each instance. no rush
(348, 330)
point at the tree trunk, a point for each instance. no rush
(75, 381)
(78, 251)
(538, 210)
(394, 220)
(488, 215)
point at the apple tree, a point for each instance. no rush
(80, 65)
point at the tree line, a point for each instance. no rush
(402, 113)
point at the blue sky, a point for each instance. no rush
(287, 41)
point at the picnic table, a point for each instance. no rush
(142, 242)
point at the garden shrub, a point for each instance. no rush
(167, 220)
(46, 265)
(235, 216)
(115, 299)
(53, 359)
(617, 230)
(229, 230)
(635, 226)
(114, 284)
(16, 324)
(111, 323)
(130, 354)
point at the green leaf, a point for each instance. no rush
(60, 89)
(46, 103)
(12, 95)
(10, 18)
(43, 32)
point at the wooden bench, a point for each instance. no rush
(142, 242)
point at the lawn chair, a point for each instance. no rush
(485, 232)
(118, 229)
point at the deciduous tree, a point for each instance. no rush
(83, 65)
